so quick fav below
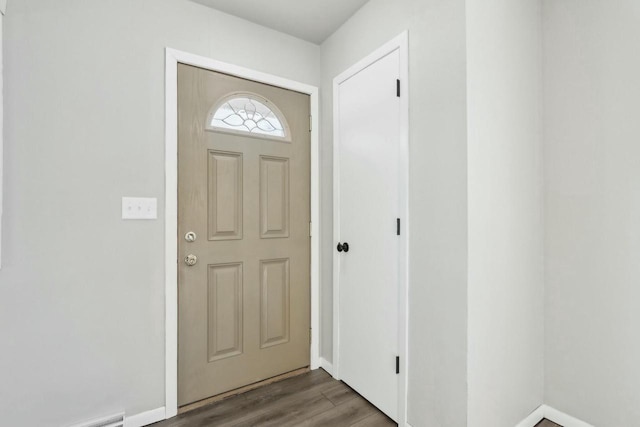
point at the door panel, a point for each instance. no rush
(225, 311)
(225, 195)
(274, 302)
(244, 307)
(369, 144)
(274, 197)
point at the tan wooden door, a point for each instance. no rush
(243, 215)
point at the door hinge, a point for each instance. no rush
(398, 226)
(397, 364)
(398, 87)
(310, 123)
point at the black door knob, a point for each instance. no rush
(343, 247)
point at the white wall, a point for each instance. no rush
(506, 325)
(438, 197)
(81, 291)
(592, 162)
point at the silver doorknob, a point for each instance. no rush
(190, 236)
(191, 260)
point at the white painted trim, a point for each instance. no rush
(558, 417)
(533, 418)
(326, 365)
(400, 43)
(3, 7)
(3, 4)
(173, 57)
(101, 420)
(403, 270)
(171, 233)
(563, 419)
(145, 418)
(336, 235)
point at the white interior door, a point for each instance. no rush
(368, 207)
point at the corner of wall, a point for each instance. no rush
(551, 414)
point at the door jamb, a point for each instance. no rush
(172, 59)
(401, 44)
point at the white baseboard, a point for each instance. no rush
(558, 417)
(563, 419)
(326, 365)
(108, 419)
(145, 418)
(534, 418)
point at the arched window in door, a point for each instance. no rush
(248, 113)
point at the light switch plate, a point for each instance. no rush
(139, 208)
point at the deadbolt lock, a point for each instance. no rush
(191, 260)
(190, 236)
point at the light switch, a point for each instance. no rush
(139, 208)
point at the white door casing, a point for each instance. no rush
(3, 5)
(370, 193)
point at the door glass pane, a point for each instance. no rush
(248, 113)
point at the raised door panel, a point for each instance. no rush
(224, 311)
(274, 197)
(274, 302)
(225, 195)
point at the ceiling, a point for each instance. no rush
(311, 20)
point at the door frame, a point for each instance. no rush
(172, 58)
(401, 44)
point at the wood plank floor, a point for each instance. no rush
(311, 399)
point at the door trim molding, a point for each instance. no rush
(145, 418)
(172, 58)
(551, 414)
(401, 44)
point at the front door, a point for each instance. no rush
(243, 232)
(368, 208)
